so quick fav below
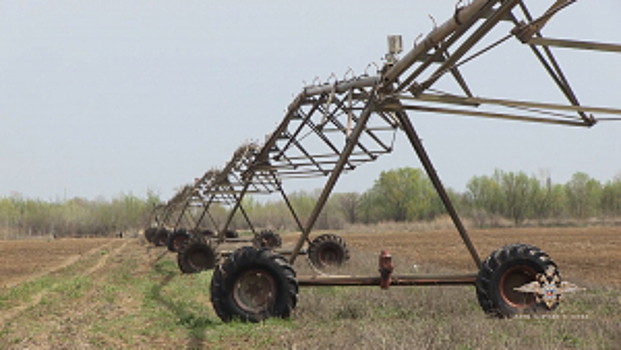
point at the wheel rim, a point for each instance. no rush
(198, 259)
(268, 241)
(330, 256)
(514, 277)
(254, 291)
(178, 241)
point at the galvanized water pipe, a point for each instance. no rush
(432, 39)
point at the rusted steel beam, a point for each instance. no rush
(229, 218)
(237, 240)
(335, 174)
(575, 44)
(226, 253)
(465, 14)
(291, 210)
(440, 48)
(496, 115)
(435, 180)
(420, 280)
(552, 67)
(342, 86)
(472, 40)
(476, 101)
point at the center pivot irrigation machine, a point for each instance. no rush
(334, 127)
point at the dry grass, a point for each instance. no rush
(445, 318)
(131, 295)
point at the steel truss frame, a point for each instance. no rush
(333, 128)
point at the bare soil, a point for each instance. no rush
(587, 254)
(127, 293)
(21, 261)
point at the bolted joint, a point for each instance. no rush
(386, 267)
(524, 32)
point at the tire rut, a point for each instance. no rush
(16, 311)
(104, 259)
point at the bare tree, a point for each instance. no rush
(348, 204)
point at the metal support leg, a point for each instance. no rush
(178, 222)
(232, 213)
(336, 172)
(435, 179)
(293, 213)
(241, 209)
(205, 210)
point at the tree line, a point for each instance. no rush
(397, 195)
(407, 194)
(21, 216)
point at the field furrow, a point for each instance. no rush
(126, 293)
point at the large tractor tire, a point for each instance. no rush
(507, 268)
(267, 239)
(207, 233)
(253, 285)
(177, 239)
(161, 237)
(231, 234)
(149, 234)
(196, 255)
(328, 250)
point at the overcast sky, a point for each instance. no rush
(99, 98)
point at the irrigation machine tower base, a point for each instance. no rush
(334, 127)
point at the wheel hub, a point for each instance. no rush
(178, 242)
(254, 291)
(330, 256)
(198, 259)
(515, 277)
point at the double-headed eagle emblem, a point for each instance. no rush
(548, 288)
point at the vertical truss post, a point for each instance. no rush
(205, 210)
(232, 213)
(213, 221)
(435, 179)
(178, 222)
(293, 213)
(336, 172)
(245, 215)
(167, 213)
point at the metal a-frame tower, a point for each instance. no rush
(335, 127)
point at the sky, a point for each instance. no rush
(103, 98)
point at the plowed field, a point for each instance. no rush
(127, 293)
(591, 254)
(24, 260)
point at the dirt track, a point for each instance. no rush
(24, 260)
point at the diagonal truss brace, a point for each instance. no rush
(333, 128)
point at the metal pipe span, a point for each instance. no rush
(342, 86)
(394, 281)
(433, 38)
